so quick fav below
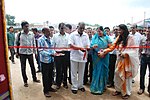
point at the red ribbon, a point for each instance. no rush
(70, 48)
(84, 55)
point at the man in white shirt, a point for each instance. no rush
(60, 41)
(137, 37)
(78, 41)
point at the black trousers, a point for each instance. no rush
(145, 61)
(61, 63)
(69, 65)
(112, 62)
(47, 76)
(88, 69)
(12, 53)
(38, 61)
(23, 58)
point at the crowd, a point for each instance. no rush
(100, 57)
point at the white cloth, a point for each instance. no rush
(128, 85)
(77, 67)
(82, 41)
(133, 56)
(138, 37)
(112, 38)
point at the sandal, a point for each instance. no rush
(125, 97)
(96, 93)
(116, 93)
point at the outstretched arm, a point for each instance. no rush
(112, 47)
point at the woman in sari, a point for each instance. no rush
(127, 62)
(99, 42)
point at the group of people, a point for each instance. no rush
(111, 58)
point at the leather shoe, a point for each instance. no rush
(96, 93)
(37, 81)
(74, 91)
(47, 94)
(82, 89)
(141, 91)
(25, 84)
(52, 90)
(38, 71)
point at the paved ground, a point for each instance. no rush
(34, 91)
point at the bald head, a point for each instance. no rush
(134, 26)
(81, 27)
(81, 23)
(46, 32)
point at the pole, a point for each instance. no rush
(6, 84)
(144, 18)
(131, 20)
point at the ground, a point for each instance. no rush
(34, 91)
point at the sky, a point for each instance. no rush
(102, 12)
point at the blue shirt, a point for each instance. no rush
(45, 51)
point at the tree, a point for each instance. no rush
(96, 25)
(10, 19)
